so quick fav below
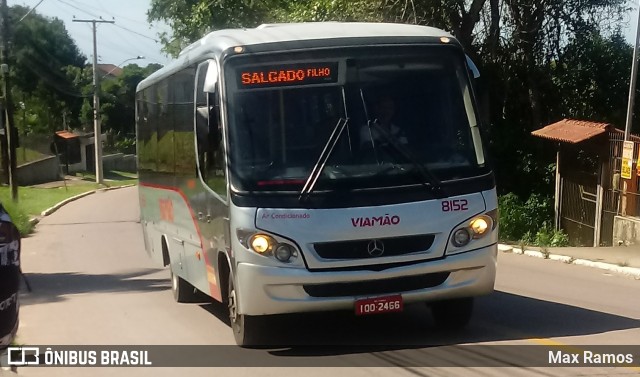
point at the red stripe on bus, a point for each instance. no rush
(215, 291)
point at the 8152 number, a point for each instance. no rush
(455, 205)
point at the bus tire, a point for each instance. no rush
(453, 314)
(182, 291)
(245, 328)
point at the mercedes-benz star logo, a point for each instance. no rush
(375, 248)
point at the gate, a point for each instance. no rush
(578, 207)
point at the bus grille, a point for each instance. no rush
(377, 287)
(359, 249)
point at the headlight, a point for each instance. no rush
(480, 225)
(284, 253)
(473, 229)
(267, 245)
(261, 243)
(461, 237)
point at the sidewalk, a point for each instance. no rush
(622, 259)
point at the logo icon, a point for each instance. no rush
(375, 248)
(23, 356)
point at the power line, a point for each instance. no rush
(119, 26)
(30, 10)
(139, 48)
(135, 32)
(103, 9)
(78, 8)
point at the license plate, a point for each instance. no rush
(377, 305)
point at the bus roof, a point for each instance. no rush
(272, 33)
(221, 40)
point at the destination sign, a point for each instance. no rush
(287, 75)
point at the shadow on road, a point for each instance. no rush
(499, 317)
(219, 310)
(54, 286)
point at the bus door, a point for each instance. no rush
(210, 204)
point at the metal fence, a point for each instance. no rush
(622, 196)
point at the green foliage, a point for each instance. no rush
(45, 95)
(126, 145)
(190, 20)
(24, 155)
(549, 237)
(591, 66)
(527, 223)
(118, 98)
(519, 220)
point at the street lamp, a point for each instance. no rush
(118, 66)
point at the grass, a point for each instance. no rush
(33, 200)
(546, 254)
(24, 155)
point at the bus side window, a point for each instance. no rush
(210, 146)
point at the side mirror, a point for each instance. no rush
(482, 95)
(472, 67)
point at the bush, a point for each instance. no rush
(547, 236)
(528, 222)
(126, 145)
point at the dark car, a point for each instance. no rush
(9, 278)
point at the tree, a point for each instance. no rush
(596, 70)
(191, 19)
(118, 98)
(524, 49)
(42, 51)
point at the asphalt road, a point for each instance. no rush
(93, 284)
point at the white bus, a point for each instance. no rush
(320, 166)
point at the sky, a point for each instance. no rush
(132, 36)
(129, 37)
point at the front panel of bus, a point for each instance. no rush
(356, 164)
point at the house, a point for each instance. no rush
(108, 71)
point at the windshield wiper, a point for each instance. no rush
(425, 174)
(323, 158)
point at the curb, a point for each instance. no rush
(56, 207)
(629, 271)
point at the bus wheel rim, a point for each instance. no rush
(233, 313)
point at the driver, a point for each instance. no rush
(383, 111)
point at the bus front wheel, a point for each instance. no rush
(245, 328)
(452, 314)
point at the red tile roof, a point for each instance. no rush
(66, 134)
(572, 131)
(110, 69)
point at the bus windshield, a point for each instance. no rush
(409, 116)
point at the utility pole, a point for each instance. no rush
(632, 85)
(8, 103)
(97, 130)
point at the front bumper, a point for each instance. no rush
(275, 290)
